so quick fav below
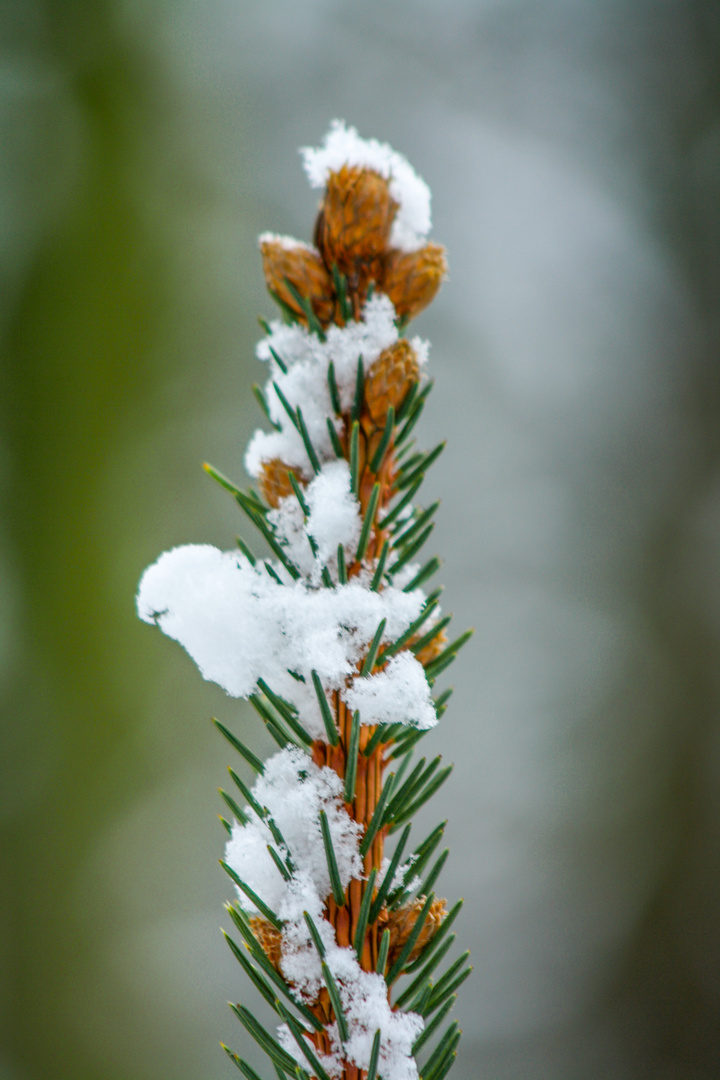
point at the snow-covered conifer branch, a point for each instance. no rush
(335, 643)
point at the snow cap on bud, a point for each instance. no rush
(295, 269)
(412, 278)
(342, 146)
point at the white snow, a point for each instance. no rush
(294, 790)
(305, 384)
(397, 695)
(343, 146)
(287, 242)
(238, 624)
(334, 519)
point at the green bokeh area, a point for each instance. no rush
(117, 336)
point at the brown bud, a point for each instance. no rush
(274, 481)
(285, 261)
(269, 937)
(390, 378)
(413, 277)
(354, 224)
(402, 921)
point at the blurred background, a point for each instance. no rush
(573, 149)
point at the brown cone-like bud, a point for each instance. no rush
(412, 278)
(390, 378)
(402, 921)
(274, 481)
(303, 267)
(354, 225)
(269, 937)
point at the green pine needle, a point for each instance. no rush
(442, 699)
(273, 573)
(307, 442)
(383, 952)
(258, 980)
(419, 471)
(449, 983)
(335, 883)
(246, 550)
(434, 874)
(369, 660)
(367, 524)
(352, 758)
(233, 806)
(252, 896)
(384, 442)
(260, 957)
(401, 796)
(380, 568)
(432, 1027)
(263, 1038)
(278, 360)
(410, 424)
(361, 930)
(221, 479)
(262, 402)
(253, 761)
(384, 889)
(428, 793)
(298, 1035)
(359, 390)
(418, 984)
(299, 494)
(407, 498)
(374, 1055)
(247, 793)
(431, 567)
(437, 938)
(314, 324)
(447, 656)
(333, 388)
(409, 945)
(325, 711)
(407, 403)
(417, 525)
(284, 872)
(377, 818)
(340, 282)
(443, 1051)
(411, 550)
(317, 940)
(336, 1003)
(377, 736)
(354, 456)
(427, 610)
(335, 439)
(419, 645)
(286, 406)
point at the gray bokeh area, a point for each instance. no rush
(573, 151)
